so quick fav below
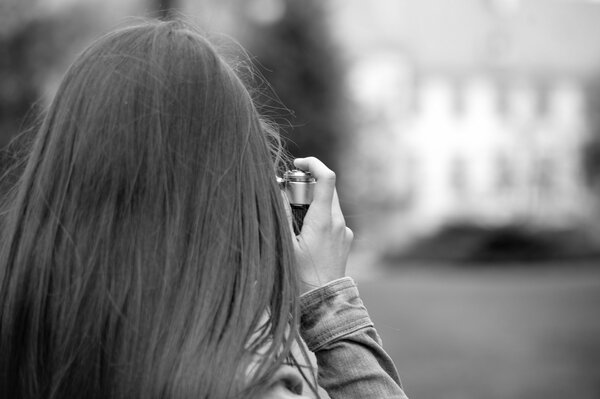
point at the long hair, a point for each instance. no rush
(146, 239)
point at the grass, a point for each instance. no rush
(506, 332)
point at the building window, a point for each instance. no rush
(543, 178)
(459, 178)
(505, 175)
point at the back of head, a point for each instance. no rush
(144, 242)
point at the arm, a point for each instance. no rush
(351, 361)
(334, 323)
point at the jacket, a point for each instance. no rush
(351, 362)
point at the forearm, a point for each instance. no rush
(351, 361)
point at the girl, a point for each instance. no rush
(146, 251)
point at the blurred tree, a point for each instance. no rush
(17, 89)
(30, 52)
(163, 8)
(297, 56)
(592, 150)
(15, 13)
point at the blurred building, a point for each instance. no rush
(471, 110)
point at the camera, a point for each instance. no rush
(298, 186)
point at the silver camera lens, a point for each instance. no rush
(299, 187)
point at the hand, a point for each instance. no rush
(323, 245)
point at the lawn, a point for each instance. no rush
(505, 332)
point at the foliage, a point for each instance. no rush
(163, 8)
(296, 55)
(29, 54)
(472, 243)
(592, 150)
(16, 13)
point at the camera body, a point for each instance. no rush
(298, 186)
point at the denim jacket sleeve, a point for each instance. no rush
(351, 361)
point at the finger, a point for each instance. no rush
(325, 177)
(349, 238)
(336, 210)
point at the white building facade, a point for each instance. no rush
(480, 151)
(469, 111)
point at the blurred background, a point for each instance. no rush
(466, 139)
